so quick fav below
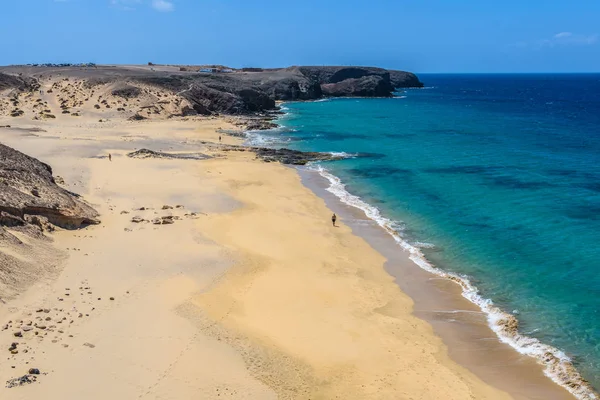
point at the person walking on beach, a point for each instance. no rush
(219, 138)
(109, 157)
(333, 219)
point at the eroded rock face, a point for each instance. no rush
(18, 83)
(127, 92)
(29, 193)
(291, 157)
(403, 79)
(257, 91)
(241, 92)
(366, 86)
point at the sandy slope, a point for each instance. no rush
(256, 296)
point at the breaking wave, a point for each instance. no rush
(557, 365)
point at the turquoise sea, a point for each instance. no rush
(492, 177)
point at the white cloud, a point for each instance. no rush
(563, 35)
(163, 5)
(562, 39)
(127, 5)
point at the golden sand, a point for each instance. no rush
(250, 294)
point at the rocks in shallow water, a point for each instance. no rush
(165, 207)
(137, 220)
(260, 125)
(91, 346)
(34, 371)
(292, 157)
(18, 334)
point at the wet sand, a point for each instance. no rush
(460, 323)
(249, 294)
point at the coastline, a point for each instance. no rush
(556, 365)
(439, 301)
(207, 306)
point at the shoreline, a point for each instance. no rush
(440, 302)
(198, 295)
(556, 365)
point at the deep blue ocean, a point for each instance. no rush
(496, 177)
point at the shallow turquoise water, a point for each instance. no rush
(500, 173)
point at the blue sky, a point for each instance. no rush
(415, 35)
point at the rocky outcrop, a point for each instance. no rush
(127, 92)
(291, 157)
(296, 87)
(19, 83)
(248, 92)
(145, 153)
(402, 79)
(241, 92)
(330, 75)
(366, 86)
(29, 195)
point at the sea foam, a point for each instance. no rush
(557, 365)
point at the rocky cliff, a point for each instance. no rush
(18, 83)
(248, 92)
(29, 195)
(242, 92)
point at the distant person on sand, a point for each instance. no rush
(109, 157)
(219, 138)
(333, 219)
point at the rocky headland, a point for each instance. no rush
(165, 91)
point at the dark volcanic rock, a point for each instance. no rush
(256, 100)
(331, 75)
(137, 117)
(292, 157)
(22, 84)
(366, 86)
(246, 93)
(249, 91)
(206, 100)
(260, 124)
(402, 79)
(145, 153)
(127, 92)
(21, 176)
(295, 87)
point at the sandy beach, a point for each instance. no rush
(249, 293)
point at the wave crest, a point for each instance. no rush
(557, 365)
